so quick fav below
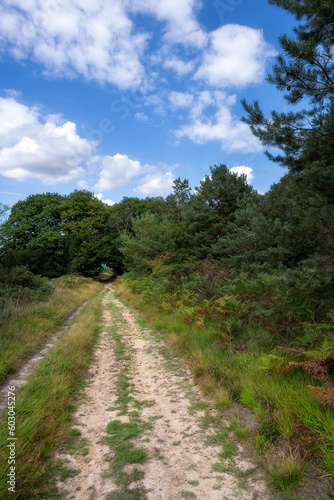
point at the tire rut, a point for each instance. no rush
(180, 438)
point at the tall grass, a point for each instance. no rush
(43, 409)
(284, 406)
(26, 328)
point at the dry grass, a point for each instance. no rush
(285, 468)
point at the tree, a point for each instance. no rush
(180, 197)
(4, 209)
(31, 235)
(305, 71)
(84, 222)
(212, 206)
(152, 238)
(54, 234)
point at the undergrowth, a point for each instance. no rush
(27, 326)
(253, 338)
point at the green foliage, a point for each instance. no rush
(31, 235)
(304, 70)
(179, 199)
(212, 206)
(152, 238)
(54, 234)
(20, 287)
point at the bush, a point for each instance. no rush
(20, 287)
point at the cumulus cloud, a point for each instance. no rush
(242, 170)
(99, 196)
(94, 39)
(157, 183)
(98, 40)
(117, 171)
(219, 125)
(236, 57)
(180, 18)
(180, 67)
(180, 99)
(33, 148)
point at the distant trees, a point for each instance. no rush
(54, 234)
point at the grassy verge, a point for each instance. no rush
(27, 328)
(284, 406)
(43, 409)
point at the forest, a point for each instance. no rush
(244, 280)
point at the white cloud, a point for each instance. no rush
(117, 171)
(180, 99)
(13, 93)
(180, 18)
(92, 39)
(236, 57)
(158, 183)
(219, 125)
(180, 67)
(141, 117)
(99, 196)
(157, 103)
(33, 148)
(14, 117)
(242, 170)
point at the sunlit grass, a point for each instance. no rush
(43, 410)
(224, 371)
(28, 328)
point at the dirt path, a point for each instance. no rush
(146, 432)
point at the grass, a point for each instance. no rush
(43, 410)
(285, 469)
(28, 328)
(284, 406)
(122, 434)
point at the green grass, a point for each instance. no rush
(229, 373)
(121, 434)
(285, 469)
(43, 410)
(28, 328)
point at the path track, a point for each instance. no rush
(180, 459)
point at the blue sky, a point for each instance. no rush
(122, 96)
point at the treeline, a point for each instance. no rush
(255, 270)
(274, 251)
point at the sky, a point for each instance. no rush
(121, 97)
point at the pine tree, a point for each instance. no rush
(212, 206)
(305, 71)
(179, 198)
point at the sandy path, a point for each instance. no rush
(180, 461)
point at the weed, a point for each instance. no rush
(188, 494)
(64, 472)
(127, 494)
(285, 469)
